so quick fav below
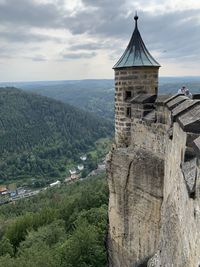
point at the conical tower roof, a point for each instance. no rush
(136, 53)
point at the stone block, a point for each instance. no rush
(190, 121)
(190, 138)
(189, 169)
(172, 97)
(144, 98)
(176, 101)
(150, 116)
(184, 106)
(160, 100)
(196, 145)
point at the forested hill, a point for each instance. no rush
(39, 135)
(97, 96)
(60, 227)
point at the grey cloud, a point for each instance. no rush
(38, 58)
(69, 56)
(21, 35)
(100, 3)
(8, 52)
(87, 46)
(29, 13)
(172, 33)
(91, 46)
(112, 18)
(177, 33)
(108, 18)
(16, 51)
(115, 23)
(5, 55)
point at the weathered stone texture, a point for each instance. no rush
(184, 106)
(196, 145)
(179, 244)
(176, 101)
(154, 183)
(189, 170)
(135, 183)
(190, 121)
(149, 137)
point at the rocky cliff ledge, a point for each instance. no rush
(154, 183)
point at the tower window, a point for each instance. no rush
(128, 112)
(127, 94)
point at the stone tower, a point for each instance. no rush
(136, 72)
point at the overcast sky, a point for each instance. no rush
(83, 39)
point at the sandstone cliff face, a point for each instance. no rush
(154, 206)
(136, 191)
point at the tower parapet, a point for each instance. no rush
(136, 72)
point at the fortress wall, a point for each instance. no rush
(154, 205)
(179, 242)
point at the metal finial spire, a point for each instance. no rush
(136, 19)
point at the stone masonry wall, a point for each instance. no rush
(136, 80)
